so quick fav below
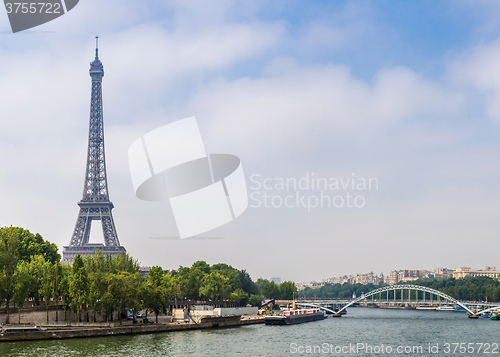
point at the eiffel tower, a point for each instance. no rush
(95, 203)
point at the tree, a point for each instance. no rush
(123, 263)
(255, 300)
(78, 286)
(288, 290)
(23, 281)
(170, 286)
(129, 291)
(215, 286)
(58, 273)
(64, 278)
(31, 245)
(240, 296)
(48, 280)
(188, 281)
(9, 256)
(155, 292)
(232, 274)
(270, 290)
(202, 266)
(247, 284)
(98, 287)
(155, 298)
(260, 284)
(110, 297)
(156, 275)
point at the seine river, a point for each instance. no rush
(362, 332)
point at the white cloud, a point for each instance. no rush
(283, 117)
(301, 106)
(479, 69)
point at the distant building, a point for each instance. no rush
(490, 272)
(405, 275)
(443, 273)
(276, 280)
(144, 271)
(369, 278)
(392, 278)
(397, 276)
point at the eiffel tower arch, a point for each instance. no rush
(95, 204)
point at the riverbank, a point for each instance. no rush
(20, 333)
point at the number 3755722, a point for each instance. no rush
(33, 8)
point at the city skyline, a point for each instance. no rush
(402, 275)
(403, 94)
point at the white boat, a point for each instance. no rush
(426, 308)
(445, 308)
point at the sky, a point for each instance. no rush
(368, 131)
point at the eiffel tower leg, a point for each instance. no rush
(109, 231)
(81, 232)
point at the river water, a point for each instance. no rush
(362, 332)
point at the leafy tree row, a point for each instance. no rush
(222, 281)
(337, 291)
(30, 268)
(26, 266)
(285, 291)
(468, 288)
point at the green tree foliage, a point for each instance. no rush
(255, 300)
(9, 257)
(247, 284)
(215, 286)
(23, 282)
(20, 245)
(47, 280)
(109, 299)
(114, 284)
(270, 290)
(64, 275)
(123, 263)
(199, 281)
(344, 291)
(232, 274)
(469, 288)
(288, 290)
(188, 281)
(29, 268)
(78, 286)
(31, 245)
(202, 266)
(240, 296)
(157, 291)
(127, 293)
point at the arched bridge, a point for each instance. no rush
(403, 287)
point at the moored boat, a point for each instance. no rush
(295, 316)
(425, 307)
(445, 308)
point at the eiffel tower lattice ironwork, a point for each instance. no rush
(95, 203)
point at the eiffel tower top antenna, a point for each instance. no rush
(96, 47)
